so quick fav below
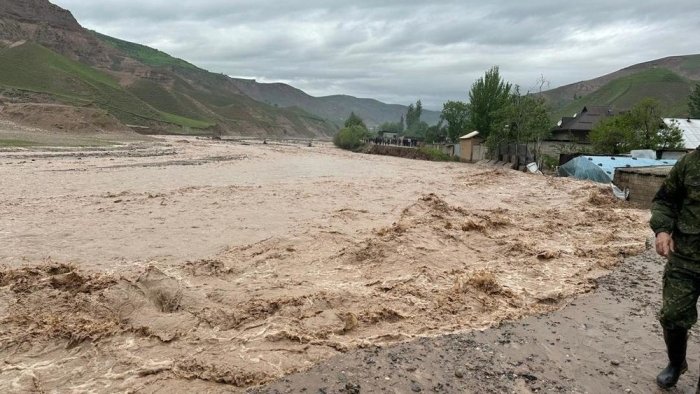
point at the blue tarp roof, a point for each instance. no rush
(602, 168)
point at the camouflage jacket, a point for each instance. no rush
(676, 207)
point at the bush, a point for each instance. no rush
(350, 138)
(433, 154)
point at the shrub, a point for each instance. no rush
(433, 154)
(350, 138)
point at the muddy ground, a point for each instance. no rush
(192, 265)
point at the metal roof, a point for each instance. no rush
(690, 128)
(470, 135)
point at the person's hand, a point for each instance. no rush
(664, 244)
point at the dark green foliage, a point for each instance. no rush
(640, 128)
(694, 102)
(487, 98)
(433, 154)
(354, 120)
(390, 127)
(413, 115)
(436, 133)
(456, 114)
(525, 120)
(612, 135)
(350, 138)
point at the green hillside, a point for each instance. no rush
(197, 93)
(33, 68)
(668, 80)
(144, 54)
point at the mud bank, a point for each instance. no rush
(371, 260)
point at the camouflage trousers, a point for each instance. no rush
(681, 284)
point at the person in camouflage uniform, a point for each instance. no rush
(675, 219)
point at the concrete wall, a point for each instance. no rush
(642, 183)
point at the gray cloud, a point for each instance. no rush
(399, 51)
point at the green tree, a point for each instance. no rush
(350, 138)
(390, 127)
(613, 135)
(524, 119)
(487, 98)
(413, 115)
(640, 128)
(436, 133)
(418, 129)
(670, 137)
(645, 119)
(456, 114)
(694, 102)
(354, 120)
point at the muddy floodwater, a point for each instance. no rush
(189, 265)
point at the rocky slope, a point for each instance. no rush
(48, 57)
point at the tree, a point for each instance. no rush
(413, 115)
(694, 102)
(436, 133)
(417, 130)
(350, 138)
(456, 114)
(645, 119)
(613, 135)
(390, 127)
(524, 120)
(354, 120)
(640, 128)
(487, 98)
(671, 137)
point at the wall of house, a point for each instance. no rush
(642, 185)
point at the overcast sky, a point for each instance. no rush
(400, 50)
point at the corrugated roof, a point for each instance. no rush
(690, 128)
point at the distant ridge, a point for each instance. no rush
(335, 108)
(46, 56)
(668, 80)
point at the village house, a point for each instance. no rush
(572, 132)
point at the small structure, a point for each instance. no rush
(603, 168)
(642, 183)
(471, 147)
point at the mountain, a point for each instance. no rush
(668, 80)
(47, 57)
(335, 108)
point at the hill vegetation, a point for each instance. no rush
(32, 68)
(667, 80)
